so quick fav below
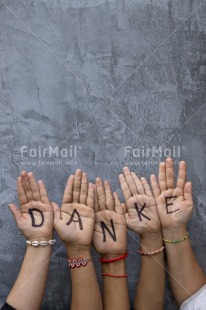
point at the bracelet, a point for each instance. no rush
(177, 241)
(151, 253)
(114, 275)
(42, 243)
(113, 259)
(78, 262)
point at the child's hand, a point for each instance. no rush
(109, 217)
(174, 201)
(141, 216)
(35, 216)
(74, 222)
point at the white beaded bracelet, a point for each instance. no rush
(42, 243)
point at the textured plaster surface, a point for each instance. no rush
(99, 76)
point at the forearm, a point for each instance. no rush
(151, 284)
(85, 288)
(28, 290)
(115, 290)
(186, 275)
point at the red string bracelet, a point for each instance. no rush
(114, 275)
(151, 253)
(113, 259)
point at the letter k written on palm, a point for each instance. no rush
(141, 215)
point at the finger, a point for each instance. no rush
(130, 181)
(100, 194)
(124, 208)
(139, 186)
(125, 188)
(162, 177)
(118, 206)
(26, 185)
(170, 173)
(188, 191)
(84, 189)
(57, 212)
(109, 196)
(96, 204)
(43, 193)
(68, 192)
(181, 175)
(90, 197)
(146, 186)
(155, 186)
(15, 212)
(77, 185)
(21, 193)
(34, 187)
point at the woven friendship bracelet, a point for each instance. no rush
(42, 243)
(177, 241)
(78, 262)
(151, 253)
(114, 275)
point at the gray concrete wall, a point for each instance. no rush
(99, 75)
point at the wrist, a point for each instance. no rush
(174, 233)
(111, 256)
(78, 251)
(40, 252)
(151, 242)
(117, 267)
(40, 238)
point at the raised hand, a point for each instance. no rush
(35, 216)
(74, 222)
(174, 201)
(110, 232)
(141, 216)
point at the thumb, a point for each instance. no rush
(15, 212)
(57, 212)
(188, 191)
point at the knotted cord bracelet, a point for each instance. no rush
(114, 275)
(78, 262)
(177, 241)
(113, 259)
(151, 253)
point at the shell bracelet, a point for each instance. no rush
(42, 243)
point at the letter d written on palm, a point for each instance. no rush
(35, 216)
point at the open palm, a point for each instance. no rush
(141, 216)
(35, 216)
(174, 201)
(74, 222)
(108, 213)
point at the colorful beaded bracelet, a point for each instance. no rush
(177, 241)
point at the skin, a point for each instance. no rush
(186, 276)
(137, 191)
(29, 288)
(79, 195)
(107, 208)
